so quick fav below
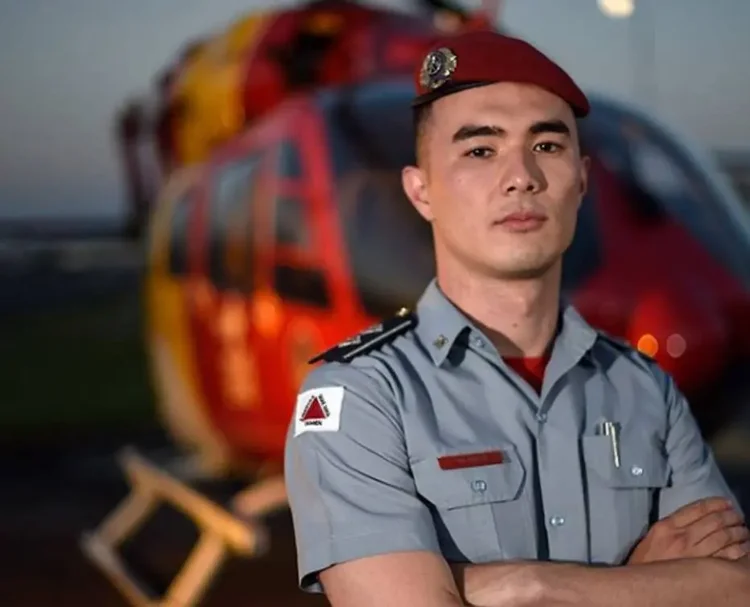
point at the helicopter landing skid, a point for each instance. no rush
(221, 532)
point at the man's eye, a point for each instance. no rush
(482, 152)
(548, 147)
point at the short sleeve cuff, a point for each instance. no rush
(674, 498)
(335, 550)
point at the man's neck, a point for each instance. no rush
(519, 316)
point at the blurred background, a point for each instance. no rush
(196, 197)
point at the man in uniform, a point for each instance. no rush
(492, 448)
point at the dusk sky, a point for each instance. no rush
(68, 64)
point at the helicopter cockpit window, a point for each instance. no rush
(291, 229)
(178, 238)
(657, 172)
(389, 245)
(295, 282)
(290, 163)
(667, 183)
(230, 225)
(679, 192)
(302, 284)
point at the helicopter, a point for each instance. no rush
(278, 228)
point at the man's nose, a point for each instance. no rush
(521, 173)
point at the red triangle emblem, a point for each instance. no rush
(314, 411)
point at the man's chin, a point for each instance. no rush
(528, 271)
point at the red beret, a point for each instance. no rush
(476, 58)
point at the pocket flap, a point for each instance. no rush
(642, 462)
(455, 487)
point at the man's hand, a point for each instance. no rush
(710, 527)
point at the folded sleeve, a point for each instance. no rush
(693, 471)
(347, 474)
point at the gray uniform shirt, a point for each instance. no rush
(371, 464)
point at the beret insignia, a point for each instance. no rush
(437, 68)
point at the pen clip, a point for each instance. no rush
(612, 430)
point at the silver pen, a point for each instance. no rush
(610, 429)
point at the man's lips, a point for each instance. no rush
(523, 221)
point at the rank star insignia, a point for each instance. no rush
(437, 68)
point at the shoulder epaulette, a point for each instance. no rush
(617, 342)
(624, 346)
(369, 339)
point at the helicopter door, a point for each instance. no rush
(221, 310)
(299, 276)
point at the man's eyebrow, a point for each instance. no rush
(469, 131)
(549, 126)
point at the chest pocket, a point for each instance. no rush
(621, 498)
(481, 513)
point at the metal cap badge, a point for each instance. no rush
(437, 68)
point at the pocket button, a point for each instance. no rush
(479, 486)
(557, 521)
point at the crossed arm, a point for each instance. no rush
(422, 579)
(683, 583)
(697, 556)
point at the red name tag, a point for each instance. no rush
(470, 460)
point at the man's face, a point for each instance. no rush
(501, 179)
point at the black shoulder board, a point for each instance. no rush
(617, 342)
(369, 338)
(624, 346)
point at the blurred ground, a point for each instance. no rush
(74, 389)
(51, 496)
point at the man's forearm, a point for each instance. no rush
(683, 583)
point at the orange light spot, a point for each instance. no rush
(267, 315)
(648, 345)
(232, 319)
(324, 23)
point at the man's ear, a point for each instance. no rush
(414, 182)
(584, 177)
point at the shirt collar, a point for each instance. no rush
(577, 335)
(441, 323)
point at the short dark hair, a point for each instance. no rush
(420, 117)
